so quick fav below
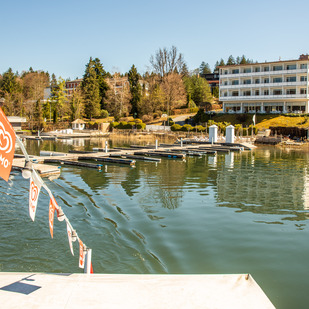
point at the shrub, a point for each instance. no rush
(176, 127)
(200, 128)
(122, 125)
(147, 118)
(171, 121)
(141, 126)
(138, 120)
(130, 125)
(104, 113)
(187, 128)
(114, 124)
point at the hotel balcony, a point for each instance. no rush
(263, 97)
(262, 73)
(264, 85)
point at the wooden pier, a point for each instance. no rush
(125, 155)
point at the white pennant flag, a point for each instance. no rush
(69, 231)
(81, 255)
(35, 187)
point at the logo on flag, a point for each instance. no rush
(52, 207)
(35, 187)
(69, 231)
(81, 255)
(7, 146)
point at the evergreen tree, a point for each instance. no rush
(221, 63)
(101, 76)
(243, 60)
(135, 90)
(216, 68)
(204, 68)
(91, 91)
(77, 104)
(59, 100)
(38, 115)
(11, 90)
(231, 60)
(238, 60)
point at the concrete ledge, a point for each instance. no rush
(35, 290)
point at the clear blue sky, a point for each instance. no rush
(60, 36)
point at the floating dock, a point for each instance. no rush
(96, 291)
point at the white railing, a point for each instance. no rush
(263, 85)
(263, 97)
(256, 74)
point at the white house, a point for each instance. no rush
(269, 87)
(78, 124)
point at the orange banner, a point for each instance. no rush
(7, 146)
(81, 255)
(52, 207)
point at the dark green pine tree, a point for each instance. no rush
(101, 78)
(230, 60)
(135, 90)
(243, 60)
(91, 90)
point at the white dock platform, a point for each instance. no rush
(37, 290)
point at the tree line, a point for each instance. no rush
(204, 68)
(166, 86)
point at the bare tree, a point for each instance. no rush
(167, 61)
(174, 91)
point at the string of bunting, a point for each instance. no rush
(7, 149)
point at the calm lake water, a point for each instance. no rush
(237, 213)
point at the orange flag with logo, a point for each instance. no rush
(52, 207)
(7, 146)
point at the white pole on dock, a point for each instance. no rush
(156, 144)
(106, 145)
(87, 269)
(181, 144)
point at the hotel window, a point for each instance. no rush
(235, 94)
(257, 81)
(277, 67)
(291, 67)
(247, 70)
(257, 92)
(291, 91)
(226, 72)
(303, 91)
(277, 91)
(247, 93)
(225, 94)
(235, 82)
(303, 78)
(257, 69)
(303, 66)
(235, 71)
(265, 69)
(291, 79)
(266, 80)
(277, 80)
(266, 92)
(225, 83)
(247, 81)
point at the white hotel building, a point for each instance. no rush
(269, 87)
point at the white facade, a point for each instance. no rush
(270, 87)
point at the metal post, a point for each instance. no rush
(181, 143)
(156, 144)
(87, 268)
(106, 145)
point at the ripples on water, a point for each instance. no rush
(234, 213)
